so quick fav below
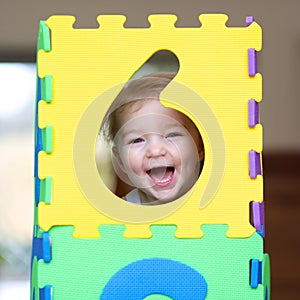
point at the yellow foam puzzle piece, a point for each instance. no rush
(90, 66)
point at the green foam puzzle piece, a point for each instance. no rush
(46, 88)
(44, 42)
(47, 139)
(45, 190)
(266, 276)
(89, 263)
(34, 280)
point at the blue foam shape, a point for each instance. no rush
(37, 190)
(37, 248)
(38, 144)
(46, 247)
(41, 247)
(155, 276)
(262, 231)
(45, 293)
(260, 275)
(256, 273)
(38, 90)
(38, 148)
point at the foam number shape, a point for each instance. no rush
(156, 276)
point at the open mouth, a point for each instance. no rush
(161, 176)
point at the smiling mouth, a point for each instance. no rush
(161, 176)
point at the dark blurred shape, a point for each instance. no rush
(282, 208)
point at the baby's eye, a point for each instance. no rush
(136, 141)
(173, 134)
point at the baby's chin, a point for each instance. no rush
(158, 199)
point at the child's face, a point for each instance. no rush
(158, 148)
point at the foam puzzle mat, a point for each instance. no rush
(88, 243)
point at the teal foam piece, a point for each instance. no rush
(44, 38)
(46, 88)
(46, 189)
(47, 133)
(81, 268)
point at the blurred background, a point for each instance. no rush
(279, 63)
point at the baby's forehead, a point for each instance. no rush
(149, 116)
(152, 108)
(152, 121)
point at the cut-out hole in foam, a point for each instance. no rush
(161, 65)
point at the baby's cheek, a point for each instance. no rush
(134, 162)
(126, 158)
(178, 150)
(191, 148)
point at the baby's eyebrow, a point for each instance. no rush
(175, 126)
(164, 129)
(132, 131)
(127, 135)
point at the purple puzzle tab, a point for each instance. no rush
(253, 113)
(254, 164)
(252, 62)
(249, 20)
(257, 216)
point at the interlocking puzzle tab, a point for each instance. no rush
(88, 243)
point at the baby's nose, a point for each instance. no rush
(156, 147)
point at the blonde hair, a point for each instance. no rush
(148, 87)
